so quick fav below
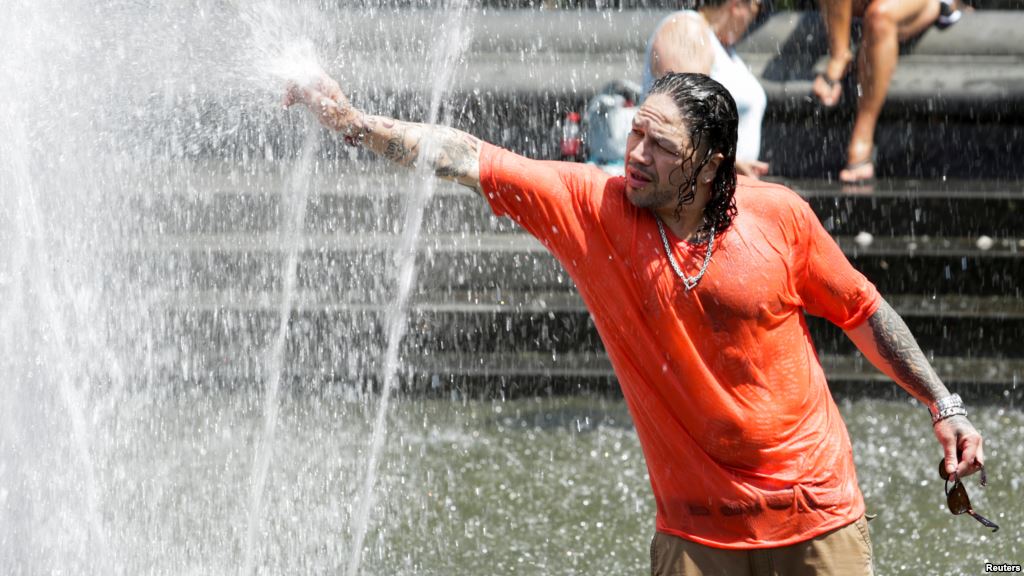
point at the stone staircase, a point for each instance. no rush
(494, 314)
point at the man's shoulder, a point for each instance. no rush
(501, 168)
(770, 207)
(492, 153)
(766, 194)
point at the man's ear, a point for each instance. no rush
(707, 174)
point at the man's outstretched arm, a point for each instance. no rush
(450, 153)
(887, 342)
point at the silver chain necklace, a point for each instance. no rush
(689, 282)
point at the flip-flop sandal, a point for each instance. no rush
(949, 14)
(870, 160)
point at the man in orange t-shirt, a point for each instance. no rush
(698, 283)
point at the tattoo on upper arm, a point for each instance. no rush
(457, 154)
(898, 347)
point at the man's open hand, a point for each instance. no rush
(323, 96)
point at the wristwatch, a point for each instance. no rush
(943, 408)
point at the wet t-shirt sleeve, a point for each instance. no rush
(549, 199)
(829, 285)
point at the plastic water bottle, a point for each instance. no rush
(572, 140)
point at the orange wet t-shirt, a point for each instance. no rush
(744, 445)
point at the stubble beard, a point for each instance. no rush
(659, 198)
(651, 199)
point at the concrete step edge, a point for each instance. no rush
(539, 302)
(478, 242)
(837, 368)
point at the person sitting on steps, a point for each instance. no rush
(703, 41)
(886, 24)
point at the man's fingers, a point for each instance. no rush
(961, 445)
(314, 92)
(951, 459)
(289, 99)
(971, 458)
(334, 91)
(295, 94)
(331, 88)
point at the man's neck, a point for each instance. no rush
(686, 223)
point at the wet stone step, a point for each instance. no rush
(837, 367)
(339, 264)
(569, 332)
(537, 301)
(861, 244)
(219, 214)
(896, 208)
(911, 216)
(477, 331)
(476, 375)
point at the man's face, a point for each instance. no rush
(657, 155)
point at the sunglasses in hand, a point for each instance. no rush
(957, 500)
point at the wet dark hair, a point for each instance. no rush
(709, 112)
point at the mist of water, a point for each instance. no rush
(444, 59)
(52, 356)
(295, 196)
(279, 59)
(90, 121)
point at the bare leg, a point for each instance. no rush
(919, 22)
(885, 22)
(837, 15)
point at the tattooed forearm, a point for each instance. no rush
(450, 153)
(898, 348)
(399, 148)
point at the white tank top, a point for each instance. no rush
(730, 71)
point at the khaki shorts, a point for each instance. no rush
(841, 552)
